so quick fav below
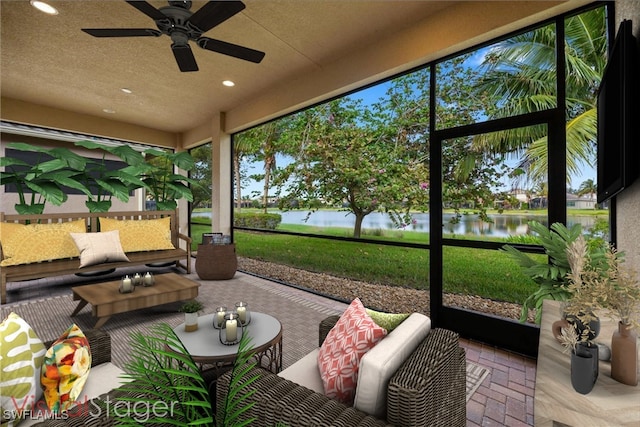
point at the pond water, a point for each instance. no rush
(502, 226)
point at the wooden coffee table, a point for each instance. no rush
(106, 300)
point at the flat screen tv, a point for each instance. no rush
(619, 116)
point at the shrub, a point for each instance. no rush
(257, 220)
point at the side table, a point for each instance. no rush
(556, 403)
(216, 262)
(205, 347)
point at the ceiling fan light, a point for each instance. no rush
(44, 7)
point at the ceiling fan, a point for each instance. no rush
(178, 22)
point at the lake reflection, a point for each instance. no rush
(502, 226)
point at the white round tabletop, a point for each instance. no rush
(204, 343)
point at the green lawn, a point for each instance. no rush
(486, 273)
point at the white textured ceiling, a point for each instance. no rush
(47, 60)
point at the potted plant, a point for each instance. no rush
(101, 183)
(190, 310)
(43, 180)
(609, 287)
(551, 276)
(584, 359)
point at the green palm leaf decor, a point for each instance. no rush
(166, 386)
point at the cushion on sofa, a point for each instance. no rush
(65, 370)
(141, 235)
(305, 372)
(21, 356)
(389, 321)
(102, 379)
(354, 334)
(52, 240)
(97, 248)
(379, 364)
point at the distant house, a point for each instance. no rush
(580, 202)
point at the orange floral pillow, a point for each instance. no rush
(66, 369)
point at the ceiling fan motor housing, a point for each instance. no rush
(177, 26)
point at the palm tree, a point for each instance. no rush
(520, 75)
(588, 187)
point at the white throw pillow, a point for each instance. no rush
(379, 364)
(97, 248)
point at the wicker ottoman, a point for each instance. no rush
(216, 262)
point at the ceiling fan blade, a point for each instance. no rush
(231, 49)
(184, 57)
(122, 32)
(214, 13)
(147, 9)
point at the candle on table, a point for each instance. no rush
(126, 284)
(232, 330)
(220, 312)
(242, 313)
(148, 279)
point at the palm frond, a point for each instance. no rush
(161, 370)
(239, 386)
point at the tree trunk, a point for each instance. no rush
(268, 164)
(358, 226)
(236, 173)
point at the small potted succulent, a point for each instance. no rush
(190, 310)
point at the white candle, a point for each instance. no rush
(242, 314)
(219, 318)
(126, 284)
(137, 279)
(232, 330)
(148, 279)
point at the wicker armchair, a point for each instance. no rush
(427, 390)
(100, 344)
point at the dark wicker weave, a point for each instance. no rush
(427, 390)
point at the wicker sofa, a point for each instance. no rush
(180, 255)
(427, 390)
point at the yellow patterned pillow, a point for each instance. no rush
(141, 235)
(24, 244)
(21, 357)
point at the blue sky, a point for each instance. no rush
(373, 94)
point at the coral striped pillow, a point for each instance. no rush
(353, 335)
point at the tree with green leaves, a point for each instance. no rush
(263, 144)
(344, 162)
(201, 173)
(588, 187)
(519, 73)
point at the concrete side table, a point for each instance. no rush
(216, 262)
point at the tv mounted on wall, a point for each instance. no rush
(619, 116)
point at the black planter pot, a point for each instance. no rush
(594, 327)
(584, 367)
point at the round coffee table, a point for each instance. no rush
(205, 347)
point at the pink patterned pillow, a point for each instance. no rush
(352, 336)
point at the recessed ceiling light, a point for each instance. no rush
(228, 83)
(109, 111)
(126, 90)
(44, 7)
